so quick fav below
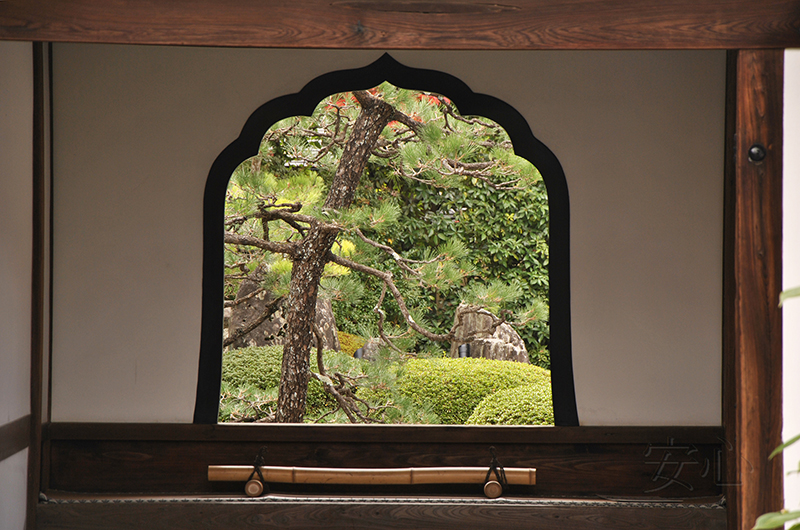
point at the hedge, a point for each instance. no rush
(254, 366)
(523, 405)
(454, 387)
(259, 368)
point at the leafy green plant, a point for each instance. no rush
(778, 519)
(250, 378)
(246, 403)
(504, 234)
(454, 387)
(444, 192)
(523, 405)
(254, 373)
(258, 367)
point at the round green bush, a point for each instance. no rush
(523, 405)
(454, 387)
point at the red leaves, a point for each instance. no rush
(433, 100)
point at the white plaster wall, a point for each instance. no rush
(791, 272)
(16, 199)
(640, 136)
(13, 494)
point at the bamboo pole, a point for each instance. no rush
(368, 476)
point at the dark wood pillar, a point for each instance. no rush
(37, 283)
(752, 392)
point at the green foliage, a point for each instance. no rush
(257, 367)
(420, 391)
(777, 520)
(349, 343)
(523, 405)
(246, 403)
(250, 379)
(444, 205)
(789, 293)
(503, 234)
(255, 372)
(454, 387)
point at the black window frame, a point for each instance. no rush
(385, 69)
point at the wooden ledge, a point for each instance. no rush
(334, 514)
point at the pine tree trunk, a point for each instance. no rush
(309, 262)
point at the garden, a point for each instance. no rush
(405, 219)
(434, 390)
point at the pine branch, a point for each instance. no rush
(377, 309)
(234, 303)
(388, 280)
(343, 395)
(289, 249)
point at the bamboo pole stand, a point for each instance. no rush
(371, 476)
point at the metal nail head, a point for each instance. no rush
(757, 153)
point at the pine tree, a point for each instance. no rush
(293, 219)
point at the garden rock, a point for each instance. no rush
(504, 344)
(270, 332)
(370, 349)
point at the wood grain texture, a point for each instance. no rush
(388, 515)
(408, 24)
(38, 286)
(378, 433)
(683, 469)
(752, 319)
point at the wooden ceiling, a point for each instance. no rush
(410, 24)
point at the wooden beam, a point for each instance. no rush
(646, 462)
(384, 513)
(752, 276)
(14, 437)
(454, 434)
(410, 24)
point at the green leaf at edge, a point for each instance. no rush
(775, 519)
(789, 293)
(783, 446)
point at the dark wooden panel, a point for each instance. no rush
(752, 318)
(379, 433)
(14, 437)
(389, 515)
(663, 468)
(409, 24)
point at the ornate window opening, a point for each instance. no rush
(470, 104)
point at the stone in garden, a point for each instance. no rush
(268, 333)
(503, 344)
(370, 349)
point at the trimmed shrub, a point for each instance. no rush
(257, 370)
(523, 405)
(349, 343)
(454, 387)
(258, 367)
